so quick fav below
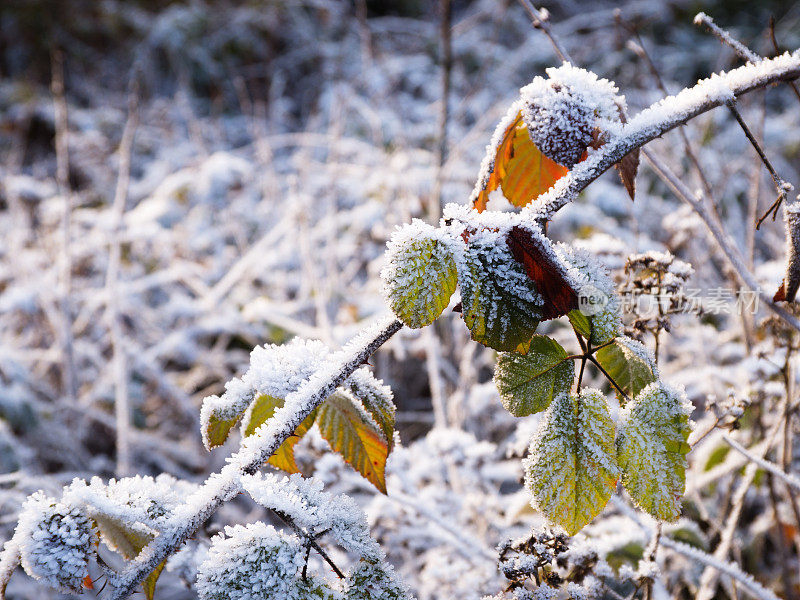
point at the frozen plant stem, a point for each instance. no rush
(781, 186)
(255, 451)
(726, 38)
(70, 381)
(119, 360)
(719, 236)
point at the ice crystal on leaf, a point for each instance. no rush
(57, 542)
(315, 511)
(564, 112)
(528, 382)
(375, 581)
(500, 304)
(652, 449)
(598, 301)
(420, 274)
(252, 561)
(630, 363)
(275, 370)
(572, 468)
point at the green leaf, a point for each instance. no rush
(652, 447)
(262, 410)
(377, 398)
(420, 274)
(351, 433)
(500, 305)
(581, 323)
(572, 468)
(528, 382)
(629, 363)
(149, 584)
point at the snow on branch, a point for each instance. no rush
(789, 479)
(661, 117)
(255, 451)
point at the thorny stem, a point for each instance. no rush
(781, 186)
(311, 542)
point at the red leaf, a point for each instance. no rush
(546, 273)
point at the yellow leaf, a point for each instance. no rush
(519, 168)
(259, 412)
(351, 433)
(149, 584)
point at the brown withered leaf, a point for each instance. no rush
(546, 273)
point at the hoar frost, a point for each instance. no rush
(57, 542)
(420, 274)
(652, 448)
(564, 112)
(315, 511)
(250, 562)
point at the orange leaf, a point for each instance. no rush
(546, 273)
(519, 168)
(88, 583)
(350, 432)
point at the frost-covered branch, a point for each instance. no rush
(789, 479)
(255, 451)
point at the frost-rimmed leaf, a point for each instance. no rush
(630, 364)
(652, 448)
(572, 468)
(514, 163)
(259, 412)
(420, 273)
(528, 382)
(500, 304)
(219, 414)
(373, 580)
(377, 398)
(598, 317)
(57, 541)
(352, 433)
(251, 561)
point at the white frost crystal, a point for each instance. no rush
(57, 542)
(589, 276)
(572, 469)
(250, 562)
(420, 274)
(314, 510)
(564, 112)
(375, 581)
(652, 448)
